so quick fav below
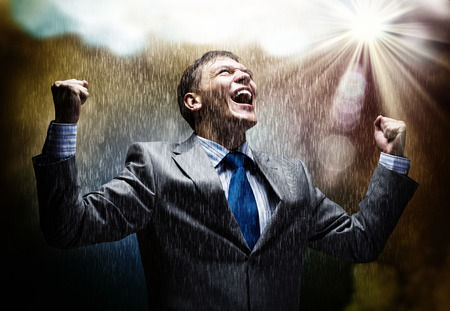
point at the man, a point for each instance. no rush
(213, 234)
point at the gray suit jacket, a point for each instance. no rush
(193, 252)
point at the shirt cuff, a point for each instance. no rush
(61, 140)
(397, 164)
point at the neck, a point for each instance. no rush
(230, 139)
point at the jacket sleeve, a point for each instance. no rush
(119, 208)
(362, 236)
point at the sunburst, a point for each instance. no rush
(384, 36)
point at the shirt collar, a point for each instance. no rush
(217, 152)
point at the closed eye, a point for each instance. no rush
(229, 70)
(225, 70)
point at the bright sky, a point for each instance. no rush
(281, 27)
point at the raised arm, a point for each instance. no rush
(362, 236)
(109, 213)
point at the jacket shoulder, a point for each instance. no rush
(291, 164)
(154, 146)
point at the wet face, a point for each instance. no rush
(228, 94)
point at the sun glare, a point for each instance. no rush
(380, 35)
(366, 26)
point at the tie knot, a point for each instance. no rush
(236, 159)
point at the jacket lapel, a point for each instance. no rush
(193, 161)
(273, 172)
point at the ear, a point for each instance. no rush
(193, 101)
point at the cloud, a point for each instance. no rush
(124, 27)
(282, 27)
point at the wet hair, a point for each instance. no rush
(191, 79)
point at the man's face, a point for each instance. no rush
(228, 94)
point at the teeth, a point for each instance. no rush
(244, 92)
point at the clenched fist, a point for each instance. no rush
(68, 96)
(390, 135)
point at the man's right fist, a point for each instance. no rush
(68, 96)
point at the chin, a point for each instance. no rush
(247, 123)
(237, 124)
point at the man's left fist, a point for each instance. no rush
(390, 135)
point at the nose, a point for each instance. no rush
(242, 77)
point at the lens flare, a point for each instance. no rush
(348, 100)
(336, 153)
(390, 41)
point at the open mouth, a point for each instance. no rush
(243, 97)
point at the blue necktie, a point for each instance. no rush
(241, 199)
